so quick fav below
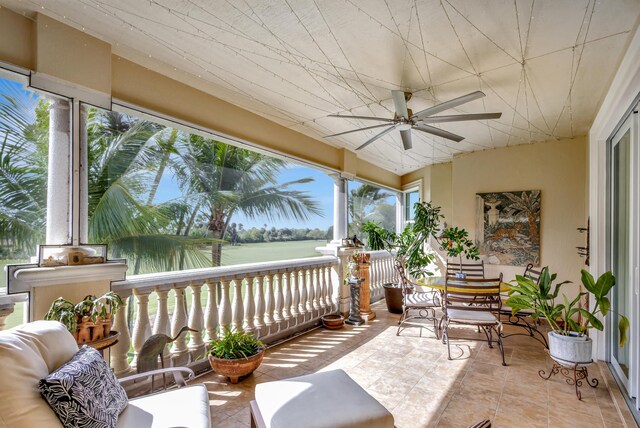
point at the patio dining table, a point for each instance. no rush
(438, 283)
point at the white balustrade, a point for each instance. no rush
(120, 351)
(269, 300)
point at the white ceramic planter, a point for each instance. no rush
(568, 350)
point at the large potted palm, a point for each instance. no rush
(569, 343)
(407, 248)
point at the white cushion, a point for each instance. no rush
(462, 315)
(325, 399)
(184, 407)
(28, 353)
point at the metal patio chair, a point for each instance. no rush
(473, 302)
(417, 304)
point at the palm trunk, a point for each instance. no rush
(216, 250)
(192, 220)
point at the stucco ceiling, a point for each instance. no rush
(545, 64)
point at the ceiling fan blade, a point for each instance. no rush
(406, 139)
(380, 135)
(439, 132)
(400, 103)
(356, 130)
(461, 117)
(381, 119)
(448, 104)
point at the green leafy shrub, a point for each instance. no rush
(235, 345)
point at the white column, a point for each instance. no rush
(225, 307)
(161, 324)
(142, 325)
(196, 322)
(295, 299)
(238, 310)
(59, 173)
(179, 350)
(249, 307)
(301, 278)
(269, 304)
(278, 300)
(119, 351)
(259, 316)
(211, 313)
(339, 208)
(286, 308)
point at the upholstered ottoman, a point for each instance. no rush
(325, 399)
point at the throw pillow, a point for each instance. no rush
(84, 392)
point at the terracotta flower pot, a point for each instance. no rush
(106, 326)
(84, 331)
(333, 321)
(236, 368)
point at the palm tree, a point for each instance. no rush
(366, 204)
(127, 158)
(24, 136)
(527, 204)
(224, 180)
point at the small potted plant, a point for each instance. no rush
(455, 241)
(568, 340)
(88, 320)
(236, 354)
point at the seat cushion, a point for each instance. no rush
(184, 407)
(467, 316)
(84, 392)
(28, 353)
(325, 399)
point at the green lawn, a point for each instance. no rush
(245, 253)
(269, 251)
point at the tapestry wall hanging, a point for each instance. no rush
(508, 227)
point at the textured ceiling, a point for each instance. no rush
(545, 64)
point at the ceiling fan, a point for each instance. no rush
(404, 120)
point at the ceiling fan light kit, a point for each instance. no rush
(404, 120)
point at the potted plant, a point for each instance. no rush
(455, 241)
(235, 354)
(88, 320)
(407, 248)
(568, 341)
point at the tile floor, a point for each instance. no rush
(412, 377)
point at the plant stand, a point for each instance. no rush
(574, 374)
(354, 308)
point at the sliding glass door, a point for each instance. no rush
(624, 248)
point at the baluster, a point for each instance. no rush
(225, 306)
(316, 292)
(329, 291)
(238, 310)
(322, 290)
(161, 325)
(279, 299)
(286, 308)
(295, 300)
(142, 325)
(211, 313)
(179, 350)
(302, 283)
(196, 321)
(119, 352)
(268, 313)
(310, 293)
(249, 307)
(260, 305)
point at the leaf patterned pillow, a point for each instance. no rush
(84, 392)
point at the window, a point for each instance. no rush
(25, 136)
(410, 199)
(169, 199)
(367, 202)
